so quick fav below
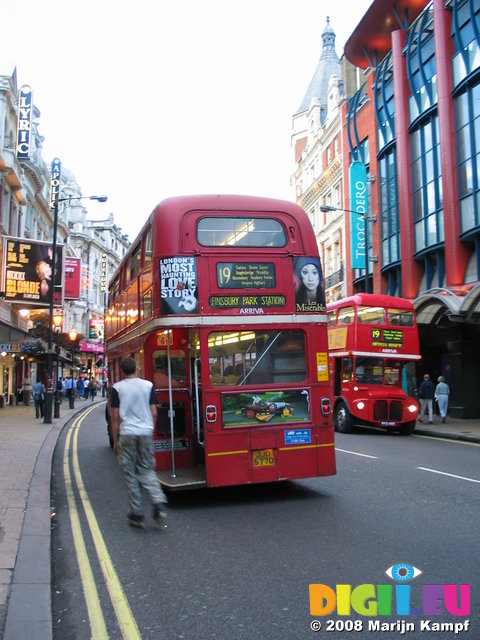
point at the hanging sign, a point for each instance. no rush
(24, 122)
(358, 213)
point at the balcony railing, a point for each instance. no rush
(334, 278)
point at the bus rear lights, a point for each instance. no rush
(412, 408)
(325, 406)
(211, 413)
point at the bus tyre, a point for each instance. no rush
(407, 428)
(342, 419)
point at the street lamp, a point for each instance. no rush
(325, 208)
(49, 391)
(72, 334)
(57, 321)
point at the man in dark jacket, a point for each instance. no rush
(426, 391)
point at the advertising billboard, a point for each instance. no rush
(96, 330)
(27, 272)
(72, 278)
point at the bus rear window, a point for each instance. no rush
(371, 315)
(256, 357)
(240, 232)
(400, 317)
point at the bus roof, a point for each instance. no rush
(371, 300)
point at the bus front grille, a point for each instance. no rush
(383, 410)
(396, 411)
(380, 410)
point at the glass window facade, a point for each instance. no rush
(388, 209)
(427, 184)
(467, 124)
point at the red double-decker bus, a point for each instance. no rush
(220, 301)
(373, 345)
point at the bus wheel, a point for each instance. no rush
(342, 419)
(407, 428)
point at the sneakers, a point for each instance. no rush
(159, 513)
(136, 521)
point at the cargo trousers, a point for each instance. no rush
(137, 463)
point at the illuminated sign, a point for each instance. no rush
(27, 272)
(24, 122)
(103, 274)
(387, 338)
(55, 175)
(246, 275)
(242, 302)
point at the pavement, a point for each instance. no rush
(26, 450)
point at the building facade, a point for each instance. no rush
(411, 115)
(318, 173)
(25, 213)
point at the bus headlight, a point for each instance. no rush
(360, 405)
(412, 408)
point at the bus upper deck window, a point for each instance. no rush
(371, 315)
(400, 317)
(240, 232)
(331, 318)
(346, 315)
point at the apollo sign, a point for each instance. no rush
(24, 122)
(55, 175)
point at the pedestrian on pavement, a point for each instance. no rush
(426, 393)
(93, 388)
(442, 392)
(86, 388)
(59, 390)
(80, 389)
(133, 415)
(27, 390)
(38, 392)
(68, 386)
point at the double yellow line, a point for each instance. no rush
(126, 621)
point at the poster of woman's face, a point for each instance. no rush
(308, 283)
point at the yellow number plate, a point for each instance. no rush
(263, 458)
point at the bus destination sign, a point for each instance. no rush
(247, 304)
(246, 275)
(387, 338)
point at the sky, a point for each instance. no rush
(150, 99)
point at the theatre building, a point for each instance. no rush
(415, 122)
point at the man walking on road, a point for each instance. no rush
(426, 391)
(133, 415)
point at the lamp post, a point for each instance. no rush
(325, 208)
(72, 334)
(54, 203)
(57, 322)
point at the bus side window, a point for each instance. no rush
(347, 370)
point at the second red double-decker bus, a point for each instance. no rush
(220, 301)
(373, 345)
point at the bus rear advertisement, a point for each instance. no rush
(373, 348)
(220, 301)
